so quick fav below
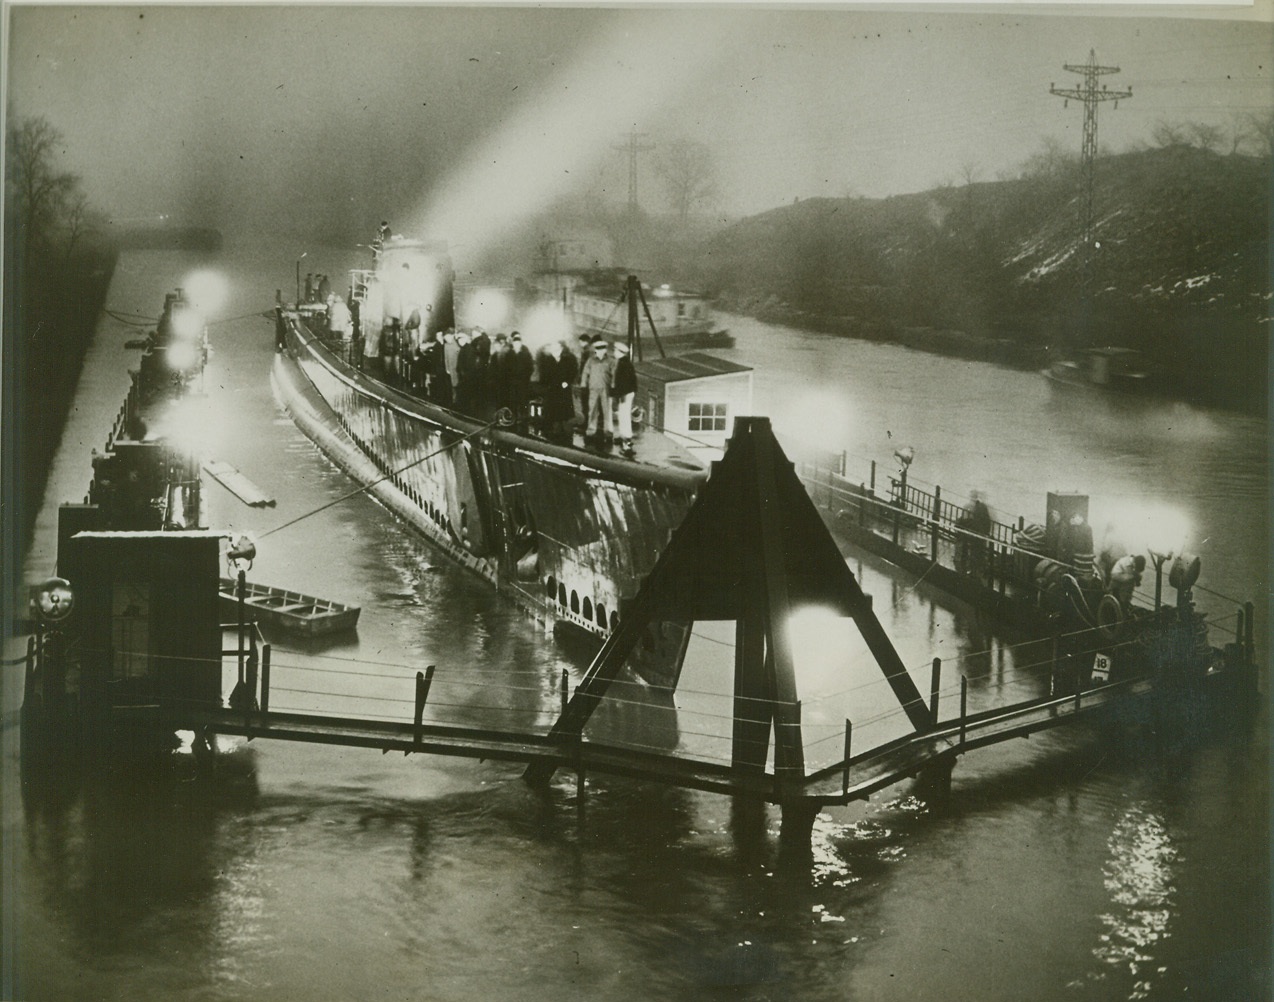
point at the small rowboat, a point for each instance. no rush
(290, 610)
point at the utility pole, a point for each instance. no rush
(1092, 96)
(633, 147)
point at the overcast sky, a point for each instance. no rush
(455, 118)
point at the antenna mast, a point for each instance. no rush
(633, 147)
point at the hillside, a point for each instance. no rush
(993, 269)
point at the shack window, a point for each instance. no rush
(130, 629)
(707, 417)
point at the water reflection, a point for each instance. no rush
(1140, 876)
(114, 854)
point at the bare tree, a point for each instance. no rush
(689, 173)
(1051, 161)
(1259, 132)
(1167, 134)
(1238, 131)
(1204, 135)
(79, 221)
(36, 191)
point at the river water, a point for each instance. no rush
(1059, 868)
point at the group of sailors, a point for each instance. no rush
(318, 288)
(554, 393)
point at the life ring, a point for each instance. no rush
(1110, 618)
(639, 415)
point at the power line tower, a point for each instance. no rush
(633, 147)
(1092, 96)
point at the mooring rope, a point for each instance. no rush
(381, 480)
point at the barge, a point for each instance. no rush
(1039, 581)
(1118, 371)
(574, 277)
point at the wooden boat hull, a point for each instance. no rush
(290, 610)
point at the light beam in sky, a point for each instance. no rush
(565, 130)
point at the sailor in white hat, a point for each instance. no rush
(595, 378)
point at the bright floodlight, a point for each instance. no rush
(191, 426)
(821, 642)
(488, 308)
(206, 290)
(815, 418)
(545, 323)
(182, 356)
(187, 324)
(1157, 528)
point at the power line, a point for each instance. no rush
(1092, 97)
(633, 147)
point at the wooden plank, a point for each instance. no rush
(237, 484)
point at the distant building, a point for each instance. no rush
(582, 252)
(695, 397)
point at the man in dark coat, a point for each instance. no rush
(623, 390)
(521, 369)
(434, 363)
(557, 374)
(500, 375)
(483, 398)
(466, 374)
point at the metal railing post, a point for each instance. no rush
(935, 683)
(964, 705)
(265, 678)
(28, 683)
(249, 704)
(579, 768)
(242, 588)
(849, 733)
(423, 681)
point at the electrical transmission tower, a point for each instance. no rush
(1092, 96)
(633, 147)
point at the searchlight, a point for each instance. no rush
(52, 600)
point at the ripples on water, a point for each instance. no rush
(1139, 878)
